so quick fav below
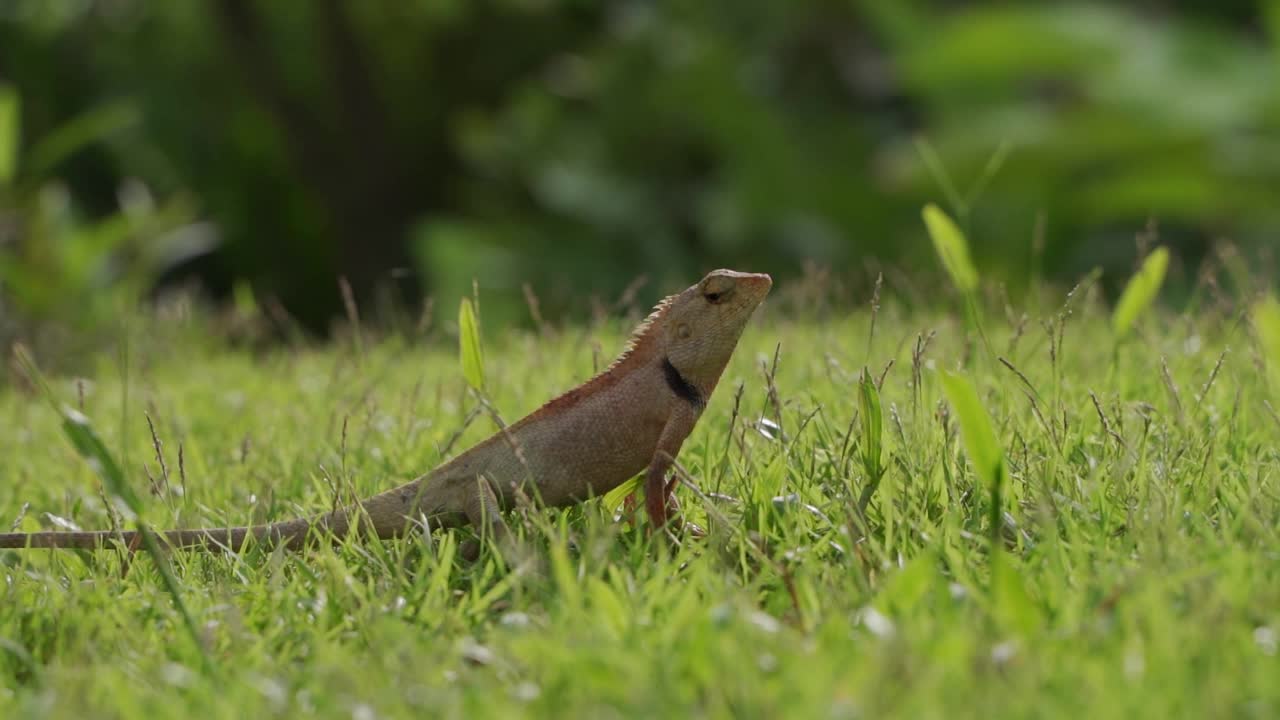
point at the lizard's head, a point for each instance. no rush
(702, 324)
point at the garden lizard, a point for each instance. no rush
(632, 417)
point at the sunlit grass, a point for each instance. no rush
(1136, 572)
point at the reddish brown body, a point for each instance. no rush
(633, 417)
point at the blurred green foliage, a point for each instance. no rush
(576, 145)
(63, 272)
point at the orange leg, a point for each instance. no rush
(657, 494)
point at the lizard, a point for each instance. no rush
(630, 418)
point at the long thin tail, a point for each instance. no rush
(385, 515)
(292, 533)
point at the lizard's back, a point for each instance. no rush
(587, 441)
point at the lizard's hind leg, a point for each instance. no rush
(485, 515)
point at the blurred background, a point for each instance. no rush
(259, 151)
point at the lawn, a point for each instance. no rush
(1133, 569)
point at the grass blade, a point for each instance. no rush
(10, 129)
(1141, 291)
(940, 175)
(79, 431)
(1266, 323)
(90, 446)
(1011, 601)
(470, 350)
(952, 248)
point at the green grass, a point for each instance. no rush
(1137, 572)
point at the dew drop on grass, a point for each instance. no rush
(765, 621)
(61, 523)
(475, 653)
(177, 675)
(768, 428)
(1135, 663)
(877, 623)
(514, 620)
(1004, 652)
(311, 384)
(1266, 640)
(273, 690)
(721, 614)
(526, 692)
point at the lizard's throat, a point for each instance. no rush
(681, 386)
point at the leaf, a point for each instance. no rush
(85, 129)
(614, 497)
(872, 428)
(99, 458)
(981, 444)
(975, 427)
(10, 131)
(78, 429)
(1141, 291)
(952, 248)
(95, 452)
(1266, 323)
(470, 350)
(872, 441)
(86, 441)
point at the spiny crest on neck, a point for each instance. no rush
(640, 348)
(643, 339)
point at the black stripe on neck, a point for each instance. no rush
(681, 387)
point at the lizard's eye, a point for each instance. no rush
(716, 295)
(716, 290)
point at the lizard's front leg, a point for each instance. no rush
(656, 490)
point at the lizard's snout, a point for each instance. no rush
(761, 282)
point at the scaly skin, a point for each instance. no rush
(632, 417)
